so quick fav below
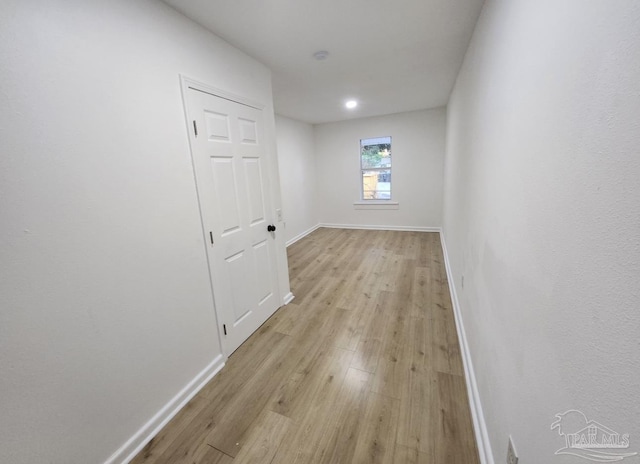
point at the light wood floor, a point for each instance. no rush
(363, 366)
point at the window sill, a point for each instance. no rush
(376, 204)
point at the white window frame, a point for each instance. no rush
(375, 201)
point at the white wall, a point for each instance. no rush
(418, 145)
(542, 217)
(105, 304)
(297, 163)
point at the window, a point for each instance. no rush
(375, 167)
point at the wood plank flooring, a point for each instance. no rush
(363, 366)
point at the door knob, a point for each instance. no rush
(271, 228)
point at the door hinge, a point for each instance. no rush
(224, 327)
(195, 127)
(211, 237)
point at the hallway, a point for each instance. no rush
(362, 367)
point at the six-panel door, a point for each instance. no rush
(230, 161)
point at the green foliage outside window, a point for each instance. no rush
(372, 155)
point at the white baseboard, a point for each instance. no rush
(301, 235)
(372, 227)
(149, 430)
(479, 424)
(288, 298)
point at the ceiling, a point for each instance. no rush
(389, 55)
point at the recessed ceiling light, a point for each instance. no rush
(321, 55)
(351, 104)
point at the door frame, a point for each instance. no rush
(187, 83)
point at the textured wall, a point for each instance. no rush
(542, 216)
(105, 302)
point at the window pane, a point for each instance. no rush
(375, 153)
(375, 164)
(376, 185)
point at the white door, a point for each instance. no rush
(228, 148)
